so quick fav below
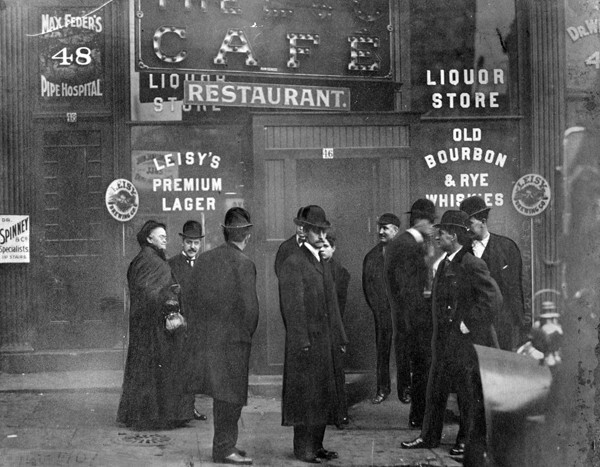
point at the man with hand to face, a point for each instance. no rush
(313, 392)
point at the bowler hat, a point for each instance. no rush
(298, 219)
(192, 229)
(474, 205)
(388, 218)
(313, 215)
(423, 208)
(454, 218)
(237, 218)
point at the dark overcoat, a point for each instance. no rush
(406, 276)
(374, 286)
(154, 383)
(222, 310)
(341, 278)
(287, 248)
(503, 259)
(313, 381)
(181, 269)
(469, 294)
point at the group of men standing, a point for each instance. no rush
(434, 318)
(439, 289)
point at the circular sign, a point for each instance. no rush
(531, 195)
(122, 200)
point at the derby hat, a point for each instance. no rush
(314, 216)
(298, 220)
(192, 229)
(422, 208)
(388, 218)
(237, 218)
(454, 218)
(474, 205)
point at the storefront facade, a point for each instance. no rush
(360, 107)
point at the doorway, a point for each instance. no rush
(355, 167)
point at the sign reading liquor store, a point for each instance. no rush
(341, 39)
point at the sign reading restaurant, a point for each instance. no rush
(337, 39)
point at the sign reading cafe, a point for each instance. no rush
(71, 55)
(334, 39)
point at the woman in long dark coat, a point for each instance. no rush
(153, 388)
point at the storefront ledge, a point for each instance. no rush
(56, 360)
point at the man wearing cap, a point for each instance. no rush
(503, 259)
(183, 262)
(291, 244)
(315, 341)
(464, 301)
(407, 272)
(374, 289)
(223, 316)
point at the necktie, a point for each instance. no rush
(190, 261)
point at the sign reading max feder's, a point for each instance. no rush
(266, 95)
(341, 39)
(14, 239)
(71, 55)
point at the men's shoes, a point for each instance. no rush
(241, 452)
(235, 459)
(405, 397)
(379, 398)
(311, 460)
(417, 443)
(458, 449)
(198, 415)
(327, 455)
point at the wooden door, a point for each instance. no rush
(81, 288)
(368, 175)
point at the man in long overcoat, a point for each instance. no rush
(503, 259)
(314, 345)
(291, 244)
(154, 393)
(407, 269)
(376, 295)
(464, 302)
(223, 314)
(183, 263)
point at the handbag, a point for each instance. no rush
(174, 320)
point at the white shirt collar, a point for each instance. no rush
(451, 257)
(418, 236)
(313, 250)
(484, 241)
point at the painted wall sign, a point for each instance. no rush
(71, 56)
(266, 95)
(122, 200)
(14, 239)
(531, 195)
(334, 39)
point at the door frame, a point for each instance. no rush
(279, 139)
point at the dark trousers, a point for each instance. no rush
(456, 367)
(383, 344)
(420, 357)
(225, 419)
(401, 348)
(308, 440)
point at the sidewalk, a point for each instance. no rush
(68, 419)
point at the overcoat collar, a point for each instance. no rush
(317, 264)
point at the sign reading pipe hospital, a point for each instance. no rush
(71, 44)
(14, 239)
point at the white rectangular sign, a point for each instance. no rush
(14, 239)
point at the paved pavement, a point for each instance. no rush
(68, 419)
